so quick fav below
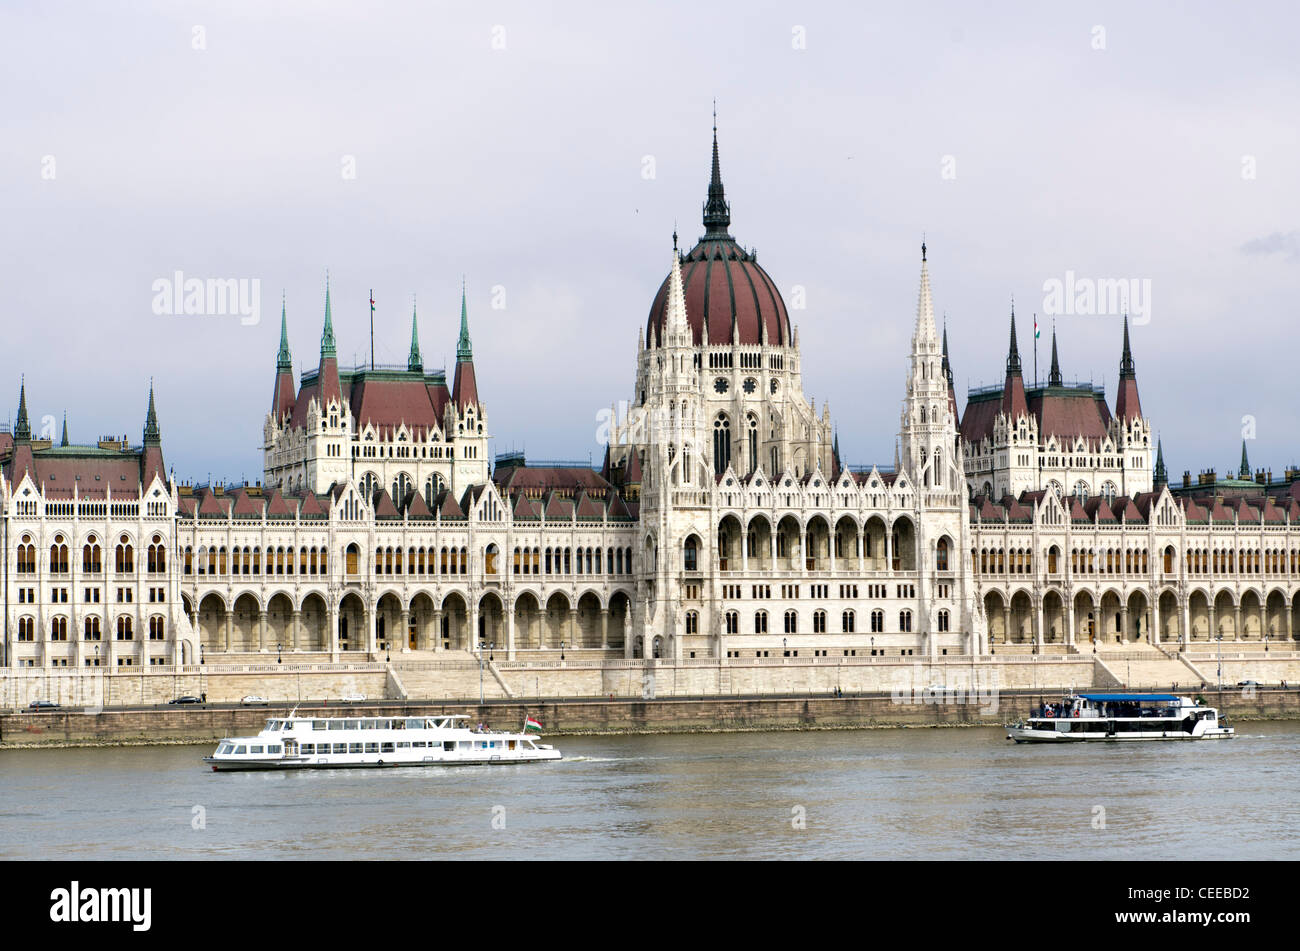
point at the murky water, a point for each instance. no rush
(946, 793)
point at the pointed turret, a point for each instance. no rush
(1244, 471)
(64, 441)
(947, 374)
(1127, 405)
(464, 388)
(415, 363)
(1161, 476)
(23, 427)
(717, 213)
(328, 376)
(282, 396)
(1014, 404)
(1054, 377)
(925, 331)
(152, 437)
(151, 458)
(677, 329)
(836, 466)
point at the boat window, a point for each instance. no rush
(224, 748)
(402, 746)
(308, 748)
(414, 724)
(240, 749)
(349, 724)
(318, 724)
(372, 747)
(273, 749)
(394, 725)
(355, 747)
(449, 745)
(367, 724)
(255, 749)
(387, 747)
(339, 748)
(336, 724)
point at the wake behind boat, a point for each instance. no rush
(331, 742)
(1110, 717)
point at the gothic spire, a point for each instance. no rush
(677, 330)
(283, 360)
(1162, 477)
(152, 437)
(717, 213)
(1054, 378)
(464, 350)
(64, 440)
(947, 367)
(1244, 472)
(924, 308)
(22, 428)
(415, 362)
(327, 335)
(1127, 371)
(1013, 354)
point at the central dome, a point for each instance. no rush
(728, 296)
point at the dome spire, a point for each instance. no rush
(64, 440)
(717, 213)
(677, 330)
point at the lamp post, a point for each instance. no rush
(480, 673)
(1219, 638)
(561, 651)
(492, 646)
(279, 649)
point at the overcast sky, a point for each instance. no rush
(547, 150)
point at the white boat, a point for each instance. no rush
(1114, 717)
(295, 742)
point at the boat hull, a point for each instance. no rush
(1021, 735)
(244, 764)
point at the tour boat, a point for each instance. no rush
(295, 742)
(1120, 716)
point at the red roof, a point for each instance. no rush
(726, 289)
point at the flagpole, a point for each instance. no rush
(372, 332)
(1035, 348)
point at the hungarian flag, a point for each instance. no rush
(1036, 333)
(531, 724)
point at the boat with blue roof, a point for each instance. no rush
(1120, 717)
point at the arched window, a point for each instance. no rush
(847, 621)
(125, 556)
(691, 551)
(760, 622)
(721, 443)
(819, 622)
(124, 630)
(791, 622)
(91, 628)
(877, 622)
(753, 442)
(905, 621)
(27, 556)
(91, 557)
(733, 622)
(353, 556)
(59, 556)
(941, 555)
(692, 622)
(157, 628)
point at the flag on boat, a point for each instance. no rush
(531, 724)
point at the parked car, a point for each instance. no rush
(354, 698)
(254, 700)
(1248, 683)
(185, 700)
(42, 705)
